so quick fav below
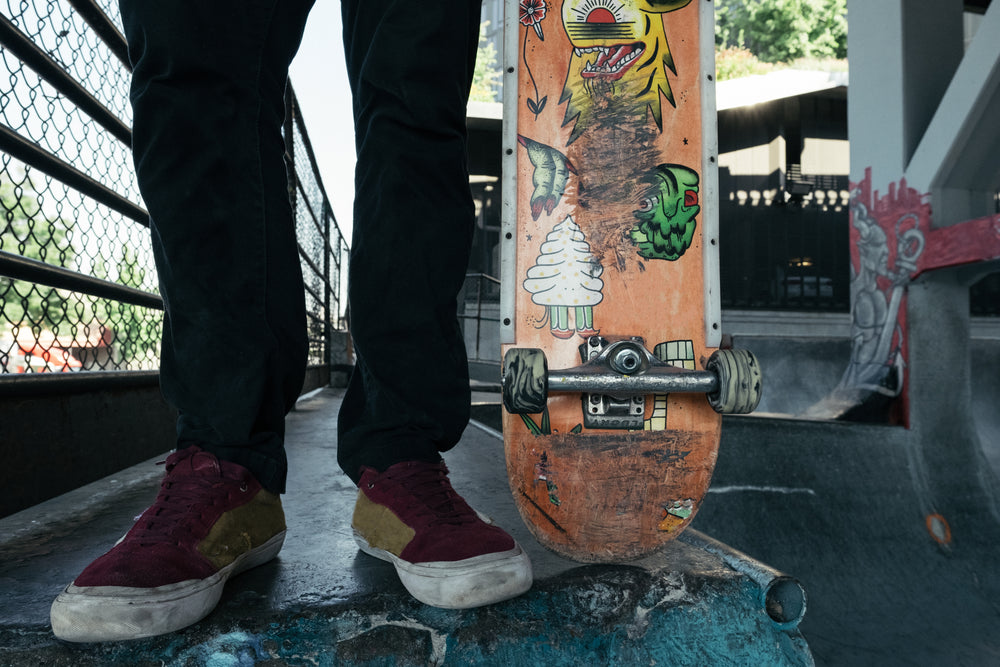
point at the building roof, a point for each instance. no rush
(772, 86)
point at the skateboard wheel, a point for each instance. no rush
(525, 381)
(739, 382)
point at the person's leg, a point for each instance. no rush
(410, 65)
(207, 95)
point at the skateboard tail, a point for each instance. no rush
(630, 508)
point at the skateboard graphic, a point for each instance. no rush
(613, 380)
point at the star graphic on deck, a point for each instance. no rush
(685, 141)
(529, 237)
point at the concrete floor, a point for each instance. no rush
(323, 602)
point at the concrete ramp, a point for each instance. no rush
(898, 546)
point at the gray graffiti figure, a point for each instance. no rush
(875, 311)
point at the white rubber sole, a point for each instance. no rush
(114, 613)
(464, 584)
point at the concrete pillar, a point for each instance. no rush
(903, 54)
(917, 114)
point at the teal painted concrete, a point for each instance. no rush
(693, 611)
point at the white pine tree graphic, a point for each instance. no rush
(566, 275)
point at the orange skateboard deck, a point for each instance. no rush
(610, 292)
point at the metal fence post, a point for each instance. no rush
(289, 132)
(479, 311)
(327, 289)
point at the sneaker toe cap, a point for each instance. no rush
(455, 543)
(149, 567)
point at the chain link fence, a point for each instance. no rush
(322, 249)
(78, 288)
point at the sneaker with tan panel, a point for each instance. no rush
(445, 553)
(211, 520)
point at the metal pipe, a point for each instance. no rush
(312, 266)
(104, 27)
(25, 151)
(783, 597)
(35, 58)
(479, 312)
(327, 290)
(311, 292)
(22, 268)
(294, 176)
(20, 385)
(483, 276)
(307, 144)
(655, 380)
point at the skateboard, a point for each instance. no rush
(613, 378)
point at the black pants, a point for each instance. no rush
(208, 80)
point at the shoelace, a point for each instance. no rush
(171, 515)
(430, 485)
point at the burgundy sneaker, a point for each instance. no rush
(211, 520)
(445, 554)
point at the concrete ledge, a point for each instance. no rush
(59, 431)
(51, 444)
(683, 608)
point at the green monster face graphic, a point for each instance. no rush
(665, 219)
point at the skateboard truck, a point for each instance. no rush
(615, 377)
(617, 407)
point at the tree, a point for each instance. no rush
(137, 330)
(486, 76)
(27, 231)
(783, 30)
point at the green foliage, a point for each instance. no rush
(486, 76)
(783, 30)
(137, 331)
(734, 62)
(25, 231)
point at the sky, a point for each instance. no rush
(319, 77)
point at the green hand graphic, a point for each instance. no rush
(552, 170)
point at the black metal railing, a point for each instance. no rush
(784, 245)
(479, 313)
(78, 288)
(323, 251)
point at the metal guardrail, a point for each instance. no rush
(78, 288)
(479, 313)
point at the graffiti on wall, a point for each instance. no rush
(888, 236)
(893, 241)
